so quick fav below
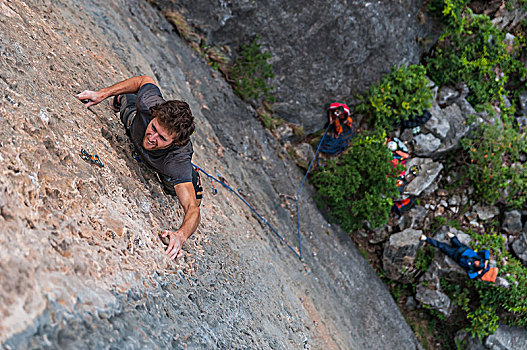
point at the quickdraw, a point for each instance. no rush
(92, 158)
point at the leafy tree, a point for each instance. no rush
(360, 184)
(403, 93)
(495, 169)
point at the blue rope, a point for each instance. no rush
(250, 207)
(299, 253)
(339, 144)
(302, 184)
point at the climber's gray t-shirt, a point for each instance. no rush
(173, 162)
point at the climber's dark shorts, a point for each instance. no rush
(127, 111)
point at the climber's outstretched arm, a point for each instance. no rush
(128, 86)
(187, 197)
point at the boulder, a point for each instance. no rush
(456, 115)
(285, 132)
(304, 152)
(425, 144)
(447, 96)
(399, 255)
(507, 338)
(522, 103)
(378, 235)
(434, 299)
(468, 342)
(519, 246)
(413, 218)
(438, 126)
(428, 174)
(484, 212)
(512, 222)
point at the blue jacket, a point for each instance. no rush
(466, 258)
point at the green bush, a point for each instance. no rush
(473, 51)
(251, 72)
(495, 170)
(449, 11)
(359, 184)
(403, 93)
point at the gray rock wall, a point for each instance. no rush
(322, 50)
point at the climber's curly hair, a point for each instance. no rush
(177, 118)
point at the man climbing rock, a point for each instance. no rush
(160, 131)
(475, 263)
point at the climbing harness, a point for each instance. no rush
(92, 158)
(221, 180)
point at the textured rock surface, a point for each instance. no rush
(447, 126)
(510, 338)
(512, 222)
(81, 264)
(332, 49)
(520, 247)
(428, 175)
(399, 255)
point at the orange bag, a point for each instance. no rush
(490, 275)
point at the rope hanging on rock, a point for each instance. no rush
(299, 252)
(253, 210)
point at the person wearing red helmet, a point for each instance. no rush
(339, 113)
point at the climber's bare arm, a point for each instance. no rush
(187, 197)
(128, 86)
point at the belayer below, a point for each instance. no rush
(336, 141)
(339, 113)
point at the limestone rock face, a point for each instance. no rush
(331, 49)
(400, 253)
(512, 222)
(429, 174)
(81, 263)
(519, 246)
(507, 337)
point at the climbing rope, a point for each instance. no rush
(299, 252)
(252, 209)
(336, 145)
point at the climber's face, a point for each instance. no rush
(156, 136)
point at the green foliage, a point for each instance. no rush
(424, 258)
(495, 169)
(473, 51)
(450, 11)
(458, 294)
(490, 241)
(251, 72)
(483, 321)
(398, 96)
(360, 184)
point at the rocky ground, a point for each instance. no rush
(81, 263)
